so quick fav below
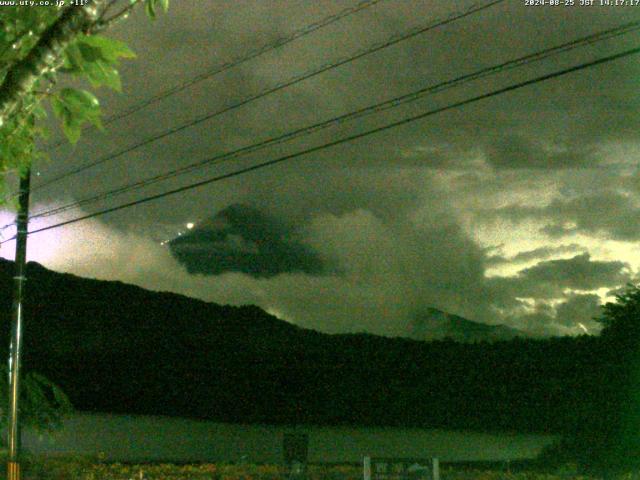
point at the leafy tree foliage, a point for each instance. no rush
(608, 441)
(37, 44)
(621, 319)
(42, 403)
(621, 341)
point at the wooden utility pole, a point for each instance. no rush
(22, 222)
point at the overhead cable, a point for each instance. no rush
(379, 107)
(255, 53)
(393, 40)
(404, 121)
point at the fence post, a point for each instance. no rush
(366, 464)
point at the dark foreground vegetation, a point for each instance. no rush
(118, 348)
(88, 469)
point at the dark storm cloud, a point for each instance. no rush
(243, 239)
(516, 151)
(575, 316)
(383, 210)
(579, 309)
(334, 186)
(609, 214)
(579, 272)
(550, 278)
(389, 271)
(540, 322)
(541, 253)
(189, 42)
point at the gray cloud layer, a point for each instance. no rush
(549, 279)
(242, 239)
(541, 253)
(406, 215)
(608, 214)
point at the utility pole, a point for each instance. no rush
(22, 222)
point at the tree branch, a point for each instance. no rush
(103, 24)
(106, 9)
(23, 75)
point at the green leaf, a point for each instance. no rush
(100, 73)
(57, 106)
(74, 108)
(73, 60)
(110, 49)
(150, 7)
(71, 128)
(165, 5)
(94, 57)
(79, 100)
(90, 53)
(39, 112)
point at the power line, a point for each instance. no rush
(269, 47)
(383, 106)
(350, 138)
(393, 40)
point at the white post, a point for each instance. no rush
(367, 468)
(436, 469)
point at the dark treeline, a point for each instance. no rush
(118, 348)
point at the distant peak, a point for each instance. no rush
(434, 324)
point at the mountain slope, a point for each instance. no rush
(434, 324)
(243, 239)
(119, 348)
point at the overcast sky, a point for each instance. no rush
(520, 209)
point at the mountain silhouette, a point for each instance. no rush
(434, 324)
(119, 348)
(243, 239)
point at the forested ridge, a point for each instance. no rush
(119, 348)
